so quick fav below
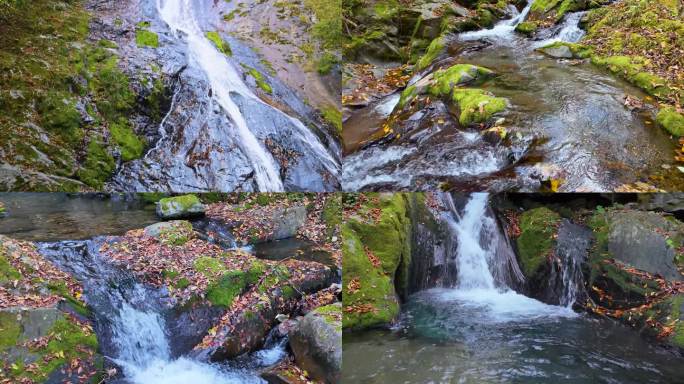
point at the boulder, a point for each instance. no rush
(646, 240)
(557, 51)
(179, 207)
(287, 221)
(317, 343)
(175, 232)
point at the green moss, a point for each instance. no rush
(289, 292)
(220, 44)
(98, 166)
(326, 63)
(536, 241)
(333, 115)
(407, 95)
(145, 38)
(10, 330)
(223, 292)
(332, 214)
(182, 283)
(129, 143)
(476, 105)
(7, 272)
(177, 235)
(60, 288)
(210, 267)
(58, 113)
(68, 341)
(388, 240)
(671, 120)
(544, 6)
(527, 28)
(260, 80)
(328, 22)
(183, 202)
(446, 79)
(677, 337)
(434, 49)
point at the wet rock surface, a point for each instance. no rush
(317, 343)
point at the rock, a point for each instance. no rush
(248, 325)
(557, 51)
(179, 207)
(667, 202)
(646, 241)
(317, 343)
(175, 232)
(287, 222)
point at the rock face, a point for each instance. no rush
(179, 207)
(317, 343)
(635, 234)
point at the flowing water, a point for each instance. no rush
(566, 121)
(225, 140)
(481, 331)
(131, 323)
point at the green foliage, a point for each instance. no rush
(537, 238)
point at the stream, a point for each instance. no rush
(566, 120)
(137, 327)
(479, 330)
(218, 134)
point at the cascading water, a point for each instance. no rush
(131, 327)
(504, 29)
(218, 134)
(569, 31)
(478, 256)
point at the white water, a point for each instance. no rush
(144, 354)
(224, 80)
(476, 287)
(570, 32)
(504, 29)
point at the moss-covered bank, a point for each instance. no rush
(376, 242)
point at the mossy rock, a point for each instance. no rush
(444, 80)
(178, 207)
(435, 48)
(372, 254)
(527, 28)
(538, 229)
(476, 105)
(175, 232)
(671, 120)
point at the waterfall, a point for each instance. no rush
(484, 270)
(178, 14)
(505, 29)
(129, 321)
(568, 32)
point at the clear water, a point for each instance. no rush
(571, 117)
(446, 337)
(62, 216)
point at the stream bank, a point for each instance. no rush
(177, 300)
(513, 287)
(485, 110)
